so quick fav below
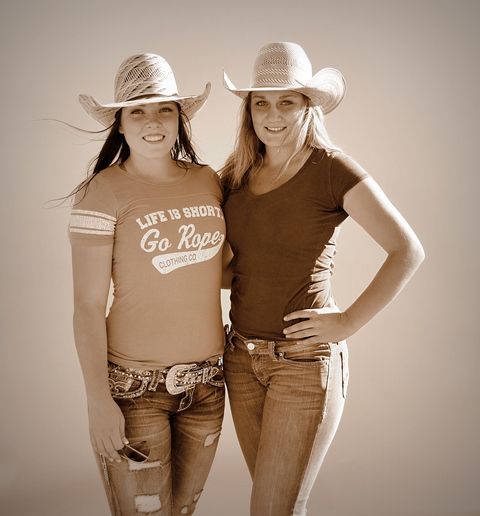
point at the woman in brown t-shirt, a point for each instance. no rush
(288, 189)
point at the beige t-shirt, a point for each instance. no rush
(166, 265)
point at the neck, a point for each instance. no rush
(159, 169)
(276, 157)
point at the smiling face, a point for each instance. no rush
(277, 116)
(150, 129)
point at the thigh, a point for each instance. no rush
(135, 487)
(246, 395)
(302, 409)
(195, 434)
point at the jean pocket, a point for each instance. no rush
(122, 385)
(305, 359)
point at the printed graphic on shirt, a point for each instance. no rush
(188, 246)
(92, 222)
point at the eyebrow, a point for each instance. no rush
(168, 103)
(259, 96)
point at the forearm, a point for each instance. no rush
(91, 342)
(391, 278)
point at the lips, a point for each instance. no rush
(154, 138)
(275, 129)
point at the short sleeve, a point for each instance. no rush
(345, 173)
(219, 189)
(94, 214)
(214, 182)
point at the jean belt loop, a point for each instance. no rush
(271, 349)
(157, 377)
(229, 334)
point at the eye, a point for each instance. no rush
(261, 103)
(166, 109)
(136, 111)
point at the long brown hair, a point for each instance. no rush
(115, 150)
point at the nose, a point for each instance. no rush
(273, 113)
(153, 120)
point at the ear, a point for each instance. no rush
(120, 129)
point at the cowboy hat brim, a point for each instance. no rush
(105, 113)
(325, 89)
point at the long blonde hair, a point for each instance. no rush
(247, 155)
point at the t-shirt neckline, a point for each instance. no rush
(288, 182)
(153, 183)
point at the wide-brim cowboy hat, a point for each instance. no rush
(284, 66)
(143, 79)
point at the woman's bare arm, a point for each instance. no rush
(91, 283)
(369, 206)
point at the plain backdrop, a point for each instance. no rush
(408, 441)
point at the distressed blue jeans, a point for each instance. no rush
(180, 445)
(286, 402)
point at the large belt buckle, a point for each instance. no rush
(171, 379)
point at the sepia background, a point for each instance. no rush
(408, 441)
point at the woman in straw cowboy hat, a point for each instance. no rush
(149, 217)
(288, 189)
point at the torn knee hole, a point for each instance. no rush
(138, 466)
(148, 503)
(188, 509)
(211, 438)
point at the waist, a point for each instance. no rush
(261, 346)
(262, 316)
(177, 378)
(156, 348)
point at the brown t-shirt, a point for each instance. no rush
(284, 243)
(166, 267)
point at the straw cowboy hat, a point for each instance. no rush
(143, 79)
(284, 66)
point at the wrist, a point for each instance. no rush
(350, 322)
(99, 398)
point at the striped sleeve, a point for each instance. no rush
(93, 216)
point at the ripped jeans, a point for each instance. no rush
(286, 402)
(180, 445)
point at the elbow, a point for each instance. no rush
(87, 310)
(420, 252)
(412, 253)
(416, 251)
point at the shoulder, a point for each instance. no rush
(205, 174)
(99, 189)
(344, 164)
(343, 174)
(104, 179)
(108, 176)
(203, 170)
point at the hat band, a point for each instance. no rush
(149, 90)
(283, 78)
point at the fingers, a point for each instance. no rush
(299, 314)
(109, 450)
(308, 312)
(297, 327)
(309, 332)
(122, 431)
(108, 445)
